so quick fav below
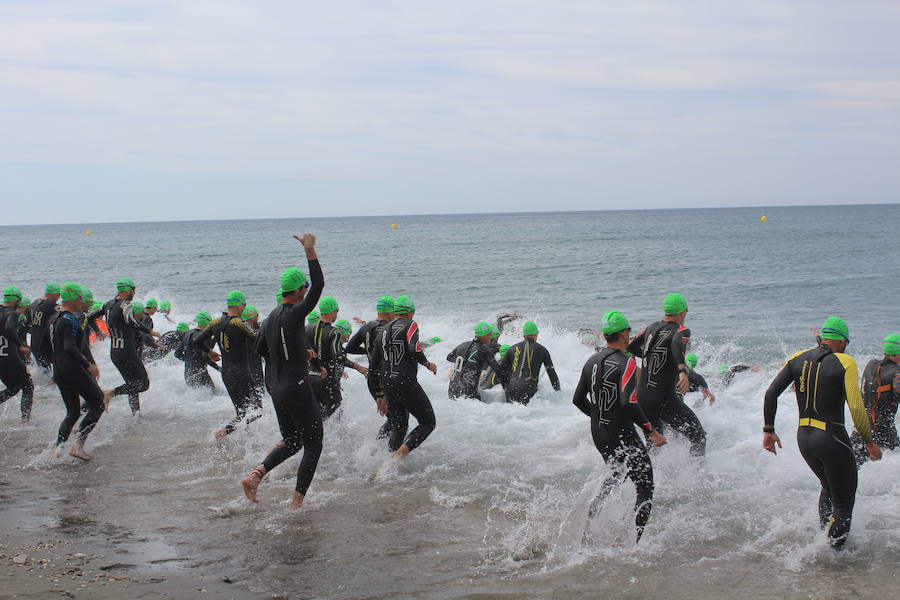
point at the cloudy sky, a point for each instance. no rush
(113, 110)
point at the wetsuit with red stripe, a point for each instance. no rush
(881, 393)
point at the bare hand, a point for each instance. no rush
(363, 370)
(358, 321)
(308, 240)
(431, 367)
(658, 439)
(323, 372)
(94, 371)
(683, 384)
(381, 403)
(214, 356)
(155, 334)
(769, 442)
(345, 375)
(710, 396)
(25, 350)
(874, 451)
(310, 354)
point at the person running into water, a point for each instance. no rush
(522, 366)
(824, 380)
(397, 358)
(491, 378)
(236, 341)
(42, 312)
(250, 317)
(165, 307)
(124, 333)
(168, 342)
(364, 341)
(197, 353)
(607, 393)
(696, 381)
(727, 372)
(664, 378)
(13, 352)
(74, 372)
(469, 360)
(881, 394)
(282, 343)
(328, 346)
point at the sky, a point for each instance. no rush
(115, 110)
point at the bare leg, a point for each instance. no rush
(297, 500)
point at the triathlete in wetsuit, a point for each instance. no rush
(165, 307)
(696, 381)
(824, 379)
(236, 341)
(13, 351)
(327, 343)
(363, 342)
(491, 378)
(42, 311)
(282, 343)
(250, 317)
(881, 394)
(469, 360)
(169, 342)
(728, 372)
(146, 344)
(397, 358)
(124, 330)
(607, 394)
(522, 366)
(75, 373)
(197, 353)
(664, 373)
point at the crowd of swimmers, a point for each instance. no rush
(299, 356)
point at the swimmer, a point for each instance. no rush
(469, 360)
(363, 342)
(197, 353)
(13, 352)
(881, 394)
(42, 310)
(696, 380)
(522, 366)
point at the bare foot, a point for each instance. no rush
(401, 452)
(251, 483)
(78, 452)
(297, 501)
(107, 396)
(220, 434)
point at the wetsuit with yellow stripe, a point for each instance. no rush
(522, 366)
(824, 380)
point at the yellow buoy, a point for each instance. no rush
(393, 226)
(88, 232)
(764, 218)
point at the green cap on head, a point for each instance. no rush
(235, 298)
(123, 284)
(529, 328)
(182, 327)
(724, 369)
(435, 340)
(137, 307)
(483, 328)
(152, 303)
(312, 317)
(343, 326)
(12, 294)
(87, 295)
(835, 328)
(404, 305)
(384, 305)
(892, 344)
(249, 313)
(674, 304)
(52, 287)
(25, 301)
(495, 332)
(327, 305)
(203, 318)
(165, 305)
(70, 291)
(613, 321)
(96, 306)
(292, 279)
(503, 349)
(691, 360)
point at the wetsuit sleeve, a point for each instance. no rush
(505, 362)
(854, 398)
(261, 346)
(897, 386)
(200, 339)
(778, 385)
(11, 325)
(551, 372)
(452, 356)
(317, 284)
(131, 319)
(503, 320)
(680, 344)
(636, 346)
(628, 396)
(357, 341)
(243, 328)
(580, 399)
(697, 379)
(70, 344)
(412, 343)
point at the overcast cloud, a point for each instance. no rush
(113, 110)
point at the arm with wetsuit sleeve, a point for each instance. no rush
(680, 342)
(357, 342)
(502, 320)
(636, 346)
(70, 336)
(628, 396)
(854, 398)
(412, 344)
(697, 379)
(580, 399)
(551, 372)
(778, 385)
(297, 315)
(202, 338)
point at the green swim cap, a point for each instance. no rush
(203, 318)
(482, 328)
(235, 298)
(25, 301)
(503, 350)
(835, 328)
(892, 344)
(152, 303)
(312, 317)
(137, 307)
(164, 305)
(436, 340)
(529, 328)
(385, 304)
(327, 305)
(96, 306)
(278, 298)
(495, 332)
(674, 304)
(87, 295)
(12, 293)
(70, 291)
(182, 327)
(724, 369)
(613, 321)
(292, 279)
(249, 313)
(691, 360)
(125, 283)
(404, 305)
(52, 288)
(343, 326)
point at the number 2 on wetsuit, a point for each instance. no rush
(4, 346)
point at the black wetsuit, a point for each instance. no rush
(491, 378)
(41, 312)
(282, 343)
(696, 380)
(396, 358)
(469, 360)
(824, 380)
(326, 342)
(881, 394)
(606, 393)
(196, 357)
(124, 350)
(70, 372)
(256, 366)
(363, 342)
(27, 400)
(729, 375)
(169, 341)
(522, 368)
(663, 346)
(236, 342)
(13, 372)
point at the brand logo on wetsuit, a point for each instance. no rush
(395, 348)
(657, 357)
(608, 390)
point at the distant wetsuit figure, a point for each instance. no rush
(13, 372)
(522, 366)
(124, 338)
(42, 310)
(195, 353)
(881, 394)
(469, 360)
